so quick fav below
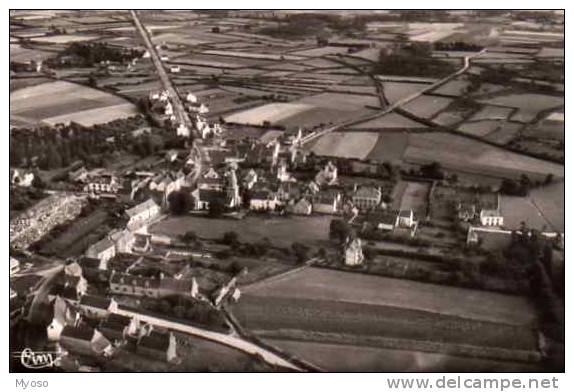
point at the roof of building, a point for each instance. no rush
(132, 280)
(146, 205)
(263, 194)
(80, 332)
(382, 217)
(210, 195)
(101, 246)
(159, 341)
(96, 302)
(369, 192)
(489, 213)
(405, 213)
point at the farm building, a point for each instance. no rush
(491, 218)
(366, 197)
(353, 251)
(97, 307)
(83, 339)
(142, 214)
(158, 345)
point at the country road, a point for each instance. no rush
(175, 99)
(399, 103)
(228, 340)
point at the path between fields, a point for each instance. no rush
(399, 103)
(228, 340)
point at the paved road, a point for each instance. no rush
(398, 104)
(228, 340)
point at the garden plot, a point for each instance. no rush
(518, 209)
(490, 112)
(272, 112)
(414, 197)
(466, 155)
(61, 101)
(390, 120)
(313, 230)
(390, 147)
(426, 106)
(346, 144)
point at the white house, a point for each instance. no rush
(353, 252)
(491, 218)
(142, 214)
(102, 250)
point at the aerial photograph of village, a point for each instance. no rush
(286, 191)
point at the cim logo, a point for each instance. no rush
(37, 360)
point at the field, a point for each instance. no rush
(395, 91)
(62, 102)
(346, 144)
(346, 358)
(454, 88)
(272, 112)
(492, 113)
(459, 153)
(427, 106)
(326, 306)
(64, 39)
(543, 208)
(479, 128)
(414, 198)
(353, 288)
(390, 147)
(389, 120)
(312, 230)
(529, 104)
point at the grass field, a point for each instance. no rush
(390, 120)
(272, 112)
(414, 198)
(544, 207)
(353, 288)
(390, 147)
(348, 358)
(454, 88)
(281, 231)
(395, 91)
(492, 113)
(479, 128)
(346, 144)
(528, 103)
(459, 153)
(63, 102)
(427, 106)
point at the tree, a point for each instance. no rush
(230, 238)
(179, 202)
(300, 251)
(339, 230)
(216, 207)
(189, 237)
(432, 170)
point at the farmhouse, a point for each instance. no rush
(366, 197)
(63, 315)
(326, 201)
(102, 183)
(117, 327)
(142, 214)
(158, 345)
(353, 251)
(327, 176)
(126, 284)
(102, 250)
(20, 178)
(14, 265)
(83, 339)
(301, 207)
(97, 307)
(263, 200)
(491, 218)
